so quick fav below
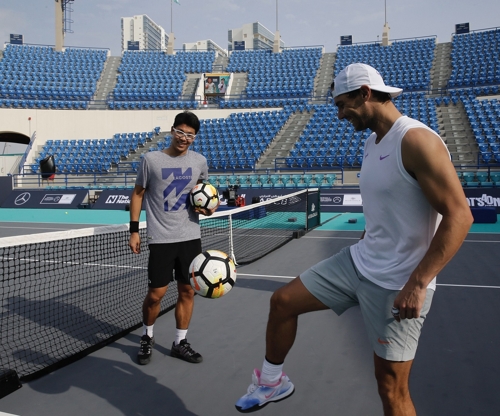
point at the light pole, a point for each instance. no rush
(277, 37)
(277, 15)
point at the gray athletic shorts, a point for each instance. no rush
(339, 285)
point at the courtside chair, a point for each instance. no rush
(232, 180)
(495, 178)
(469, 177)
(297, 180)
(482, 176)
(214, 180)
(275, 181)
(264, 180)
(223, 181)
(318, 180)
(254, 181)
(243, 181)
(330, 179)
(307, 179)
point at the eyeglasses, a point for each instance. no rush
(187, 136)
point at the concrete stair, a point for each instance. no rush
(284, 140)
(106, 83)
(455, 129)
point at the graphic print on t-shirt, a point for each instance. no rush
(174, 192)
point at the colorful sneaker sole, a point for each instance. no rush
(277, 399)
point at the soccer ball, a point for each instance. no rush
(212, 274)
(204, 195)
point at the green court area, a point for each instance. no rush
(336, 221)
(71, 216)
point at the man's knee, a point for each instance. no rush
(185, 292)
(281, 300)
(155, 295)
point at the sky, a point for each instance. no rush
(97, 23)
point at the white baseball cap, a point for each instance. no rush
(353, 76)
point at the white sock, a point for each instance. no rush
(271, 373)
(180, 334)
(147, 330)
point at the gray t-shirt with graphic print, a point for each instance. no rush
(168, 181)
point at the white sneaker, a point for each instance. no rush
(258, 395)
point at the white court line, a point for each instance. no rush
(334, 238)
(481, 241)
(439, 284)
(32, 228)
(473, 286)
(72, 263)
(357, 238)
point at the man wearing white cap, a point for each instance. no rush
(416, 218)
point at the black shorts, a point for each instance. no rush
(165, 258)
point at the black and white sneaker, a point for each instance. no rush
(146, 349)
(185, 352)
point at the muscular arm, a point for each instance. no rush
(135, 213)
(425, 158)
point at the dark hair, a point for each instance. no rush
(189, 119)
(378, 95)
(355, 93)
(381, 96)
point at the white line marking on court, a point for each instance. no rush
(439, 284)
(473, 286)
(481, 241)
(334, 238)
(74, 263)
(33, 228)
(357, 238)
(265, 275)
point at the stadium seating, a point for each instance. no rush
(484, 118)
(474, 59)
(239, 139)
(404, 64)
(154, 79)
(39, 76)
(284, 75)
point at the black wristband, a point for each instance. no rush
(134, 227)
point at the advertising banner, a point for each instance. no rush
(113, 199)
(483, 198)
(313, 210)
(341, 200)
(215, 85)
(52, 199)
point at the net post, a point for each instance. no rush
(231, 243)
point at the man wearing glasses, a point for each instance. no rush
(163, 183)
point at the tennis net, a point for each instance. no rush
(66, 294)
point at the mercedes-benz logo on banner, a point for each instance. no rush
(337, 199)
(22, 198)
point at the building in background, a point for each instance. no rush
(205, 45)
(251, 36)
(142, 33)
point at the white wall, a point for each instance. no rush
(8, 164)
